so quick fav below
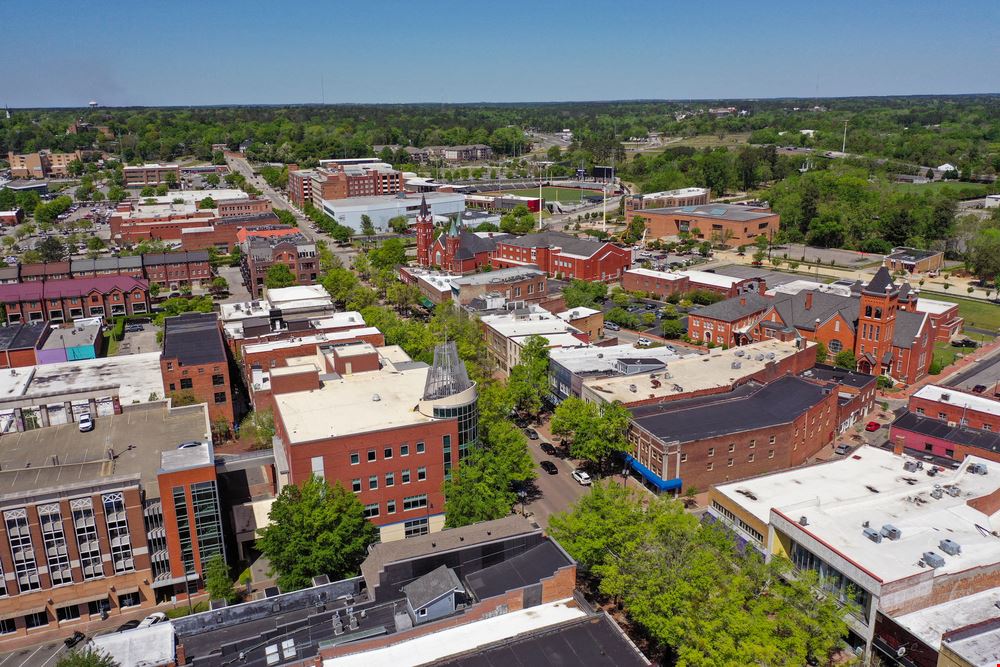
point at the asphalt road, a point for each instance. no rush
(985, 371)
(552, 493)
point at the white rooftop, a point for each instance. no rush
(714, 279)
(462, 639)
(660, 275)
(681, 192)
(142, 646)
(534, 320)
(593, 359)
(871, 485)
(933, 392)
(195, 196)
(357, 403)
(933, 306)
(576, 313)
(317, 339)
(280, 296)
(138, 376)
(930, 623)
(691, 373)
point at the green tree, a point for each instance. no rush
(286, 217)
(212, 179)
(315, 529)
(845, 359)
(529, 379)
(598, 432)
(116, 193)
(259, 427)
(584, 293)
(85, 657)
(170, 180)
(279, 275)
(821, 352)
(51, 249)
(984, 253)
(399, 224)
(217, 580)
(207, 202)
(367, 226)
(389, 254)
(148, 191)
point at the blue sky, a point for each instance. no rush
(160, 52)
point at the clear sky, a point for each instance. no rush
(179, 52)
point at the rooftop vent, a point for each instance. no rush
(977, 469)
(737, 364)
(740, 353)
(946, 397)
(953, 491)
(891, 532)
(803, 520)
(950, 547)
(632, 388)
(872, 535)
(770, 355)
(912, 466)
(937, 494)
(376, 398)
(760, 356)
(933, 559)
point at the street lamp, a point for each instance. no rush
(522, 494)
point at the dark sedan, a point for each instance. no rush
(548, 449)
(550, 467)
(531, 433)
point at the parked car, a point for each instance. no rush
(189, 444)
(549, 467)
(581, 477)
(531, 433)
(643, 342)
(611, 326)
(548, 449)
(964, 342)
(842, 449)
(872, 426)
(86, 423)
(152, 619)
(128, 625)
(979, 388)
(74, 639)
(133, 328)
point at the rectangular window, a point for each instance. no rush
(729, 463)
(54, 539)
(390, 507)
(928, 447)
(128, 600)
(317, 466)
(220, 397)
(387, 453)
(770, 453)
(416, 527)
(87, 543)
(371, 455)
(920, 411)
(355, 458)
(950, 453)
(732, 447)
(771, 440)
(356, 485)
(414, 502)
(404, 450)
(218, 380)
(709, 466)
(421, 474)
(70, 613)
(187, 383)
(390, 479)
(711, 451)
(373, 482)
(371, 510)
(22, 551)
(405, 476)
(684, 457)
(420, 448)
(7, 626)
(36, 620)
(750, 458)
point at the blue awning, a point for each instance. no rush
(651, 477)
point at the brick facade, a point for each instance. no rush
(66, 300)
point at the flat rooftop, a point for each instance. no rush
(137, 376)
(694, 373)
(195, 196)
(715, 211)
(66, 337)
(370, 401)
(317, 339)
(527, 322)
(499, 276)
(933, 306)
(605, 359)
(959, 399)
(979, 646)
(61, 456)
(825, 373)
(930, 623)
(871, 485)
(659, 275)
(713, 279)
(279, 296)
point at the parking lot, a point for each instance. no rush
(42, 655)
(848, 258)
(137, 342)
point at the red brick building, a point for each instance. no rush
(66, 300)
(19, 344)
(194, 361)
(300, 186)
(260, 253)
(920, 435)
(698, 442)
(46, 271)
(134, 221)
(727, 224)
(172, 269)
(663, 284)
(150, 174)
(955, 407)
(401, 430)
(224, 234)
(340, 181)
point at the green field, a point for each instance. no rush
(945, 353)
(960, 190)
(977, 314)
(568, 195)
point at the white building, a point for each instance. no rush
(381, 209)
(992, 201)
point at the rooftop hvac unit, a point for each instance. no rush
(740, 353)
(770, 355)
(977, 469)
(933, 559)
(803, 520)
(736, 364)
(950, 547)
(937, 494)
(632, 388)
(760, 356)
(872, 535)
(912, 466)
(945, 397)
(891, 532)
(953, 491)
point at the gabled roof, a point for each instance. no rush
(431, 587)
(470, 244)
(908, 327)
(68, 287)
(568, 244)
(157, 259)
(45, 269)
(734, 309)
(792, 309)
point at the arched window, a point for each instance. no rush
(708, 336)
(878, 313)
(868, 311)
(835, 346)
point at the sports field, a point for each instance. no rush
(569, 195)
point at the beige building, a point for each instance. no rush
(41, 164)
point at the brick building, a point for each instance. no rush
(401, 429)
(163, 218)
(341, 181)
(12, 218)
(86, 535)
(586, 320)
(42, 164)
(170, 270)
(668, 199)
(663, 284)
(260, 253)
(956, 407)
(46, 271)
(727, 224)
(912, 260)
(943, 315)
(150, 174)
(754, 429)
(300, 186)
(107, 266)
(855, 392)
(194, 360)
(19, 344)
(564, 256)
(66, 300)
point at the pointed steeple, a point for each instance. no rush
(423, 207)
(454, 229)
(881, 283)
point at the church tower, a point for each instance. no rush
(425, 233)
(451, 243)
(876, 324)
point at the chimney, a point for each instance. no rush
(809, 300)
(743, 301)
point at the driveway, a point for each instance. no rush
(139, 342)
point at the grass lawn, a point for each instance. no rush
(946, 354)
(977, 314)
(963, 190)
(550, 193)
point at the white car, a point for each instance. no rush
(86, 423)
(643, 342)
(581, 477)
(153, 619)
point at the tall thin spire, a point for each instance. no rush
(423, 206)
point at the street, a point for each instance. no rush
(555, 493)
